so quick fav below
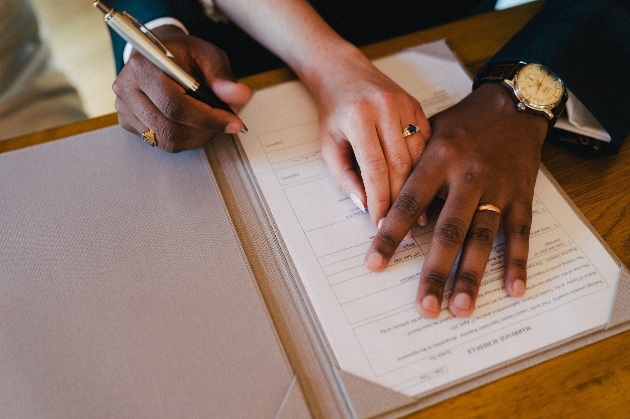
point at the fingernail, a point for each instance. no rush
(518, 287)
(430, 303)
(374, 261)
(462, 300)
(408, 236)
(380, 223)
(422, 220)
(244, 130)
(357, 201)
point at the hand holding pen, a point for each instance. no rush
(158, 97)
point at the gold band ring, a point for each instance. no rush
(149, 138)
(410, 130)
(489, 207)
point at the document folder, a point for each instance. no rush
(136, 283)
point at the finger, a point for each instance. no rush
(472, 262)
(217, 73)
(128, 120)
(448, 238)
(517, 225)
(416, 143)
(179, 107)
(374, 171)
(169, 136)
(339, 159)
(397, 156)
(233, 93)
(417, 194)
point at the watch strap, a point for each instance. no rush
(496, 72)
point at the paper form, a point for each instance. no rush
(370, 318)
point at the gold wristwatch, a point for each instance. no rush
(535, 89)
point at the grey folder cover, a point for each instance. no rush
(124, 292)
(135, 283)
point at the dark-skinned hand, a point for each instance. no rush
(481, 151)
(148, 99)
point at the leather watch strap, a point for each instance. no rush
(496, 72)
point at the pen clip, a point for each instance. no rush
(149, 34)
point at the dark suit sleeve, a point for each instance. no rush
(246, 55)
(145, 11)
(587, 44)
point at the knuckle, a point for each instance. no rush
(443, 150)
(374, 169)
(416, 148)
(170, 107)
(520, 230)
(407, 204)
(383, 97)
(475, 170)
(119, 105)
(481, 235)
(436, 279)
(388, 240)
(136, 64)
(168, 147)
(166, 132)
(174, 148)
(517, 263)
(468, 278)
(118, 87)
(399, 165)
(450, 232)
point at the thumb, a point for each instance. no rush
(234, 93)
(217, 73)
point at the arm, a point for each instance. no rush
(362, 112)
(587, 44)
(144, 11)
(482, 151)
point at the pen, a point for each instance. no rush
(143, 40)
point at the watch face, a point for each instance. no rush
(537, 87)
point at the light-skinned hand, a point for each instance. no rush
(362, 116)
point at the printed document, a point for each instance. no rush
(370, 319)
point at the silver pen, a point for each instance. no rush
(147, 44)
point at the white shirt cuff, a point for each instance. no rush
(156, 23)
(578, 119)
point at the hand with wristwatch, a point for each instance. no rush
(535, 88)
(482, 159)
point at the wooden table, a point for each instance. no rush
(590, 382)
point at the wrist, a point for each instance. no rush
(336, 61)
(500, 103)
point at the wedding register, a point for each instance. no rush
(229, 281)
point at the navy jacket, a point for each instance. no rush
(585, 42)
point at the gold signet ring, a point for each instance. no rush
(149, 138)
